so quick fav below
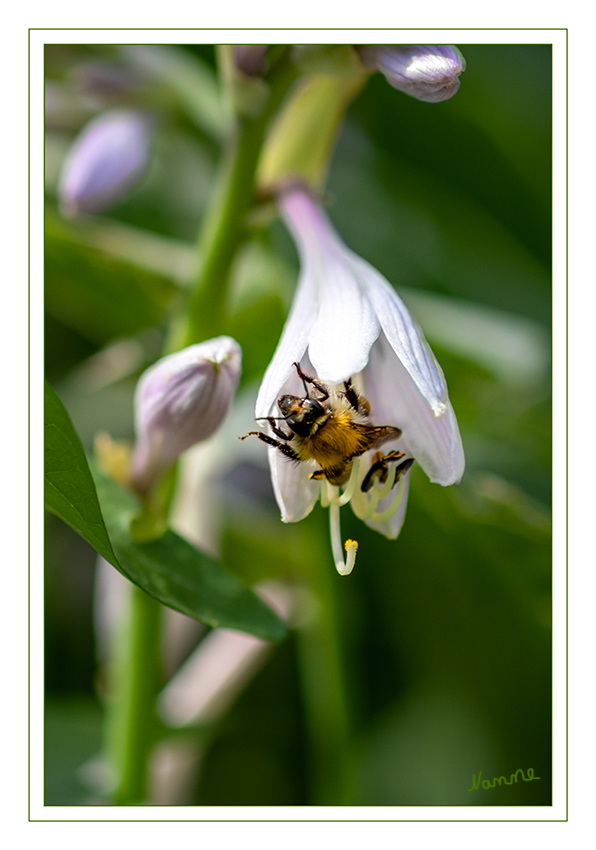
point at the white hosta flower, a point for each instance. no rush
(428, 72)
(179, 401)
(348, 322)
(110, 154)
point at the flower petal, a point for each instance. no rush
(404, 336)
(433, 441)
(181, 400)
(343, 310)
(295, 493)
(428, 72)
(291, 347)
(346, 325)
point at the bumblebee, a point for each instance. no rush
(331, 427)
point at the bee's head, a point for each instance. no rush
(300, 413)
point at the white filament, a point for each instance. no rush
(383, 516)
(364, 507)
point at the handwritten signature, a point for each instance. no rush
(486, 783)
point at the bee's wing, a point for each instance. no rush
(379, 434)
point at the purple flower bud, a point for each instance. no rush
(179, 401)
(250, 58)
(428, 72)
(106, 159)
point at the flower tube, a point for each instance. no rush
(428, 72)
(349, 332)
(179, 401)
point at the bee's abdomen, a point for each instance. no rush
(338, 474)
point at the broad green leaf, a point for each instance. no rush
(179, 575)
(168, 568)
(69, 488)
(159, 255)
(97, 294)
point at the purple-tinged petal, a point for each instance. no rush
(291, 347)
(434, 441)
(343, 309)
(428, 72)
(179, 401)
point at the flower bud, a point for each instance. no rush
(106, 159)
(179, 401)
(428, 72)
(250, 58)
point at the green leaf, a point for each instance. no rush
(168, 568)
(69, 488)
(179, 575)
(97, 294)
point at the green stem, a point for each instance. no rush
(131, 723)
(325, 693)
(223, 227)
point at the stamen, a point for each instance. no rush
(343, 567)
(389, 482)
(365, 508)
(383, 516)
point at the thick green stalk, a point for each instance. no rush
(223, 227)
(131, 722)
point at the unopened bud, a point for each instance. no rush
(428, 72)
(106, 159)
(250, 58)
(179, 401)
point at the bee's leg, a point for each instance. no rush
(351, 395)
(285, 450)
(275, 428)
(278, 432)
(317, 475)
(379, 467)
(306, 379)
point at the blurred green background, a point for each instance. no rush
(446, 631)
